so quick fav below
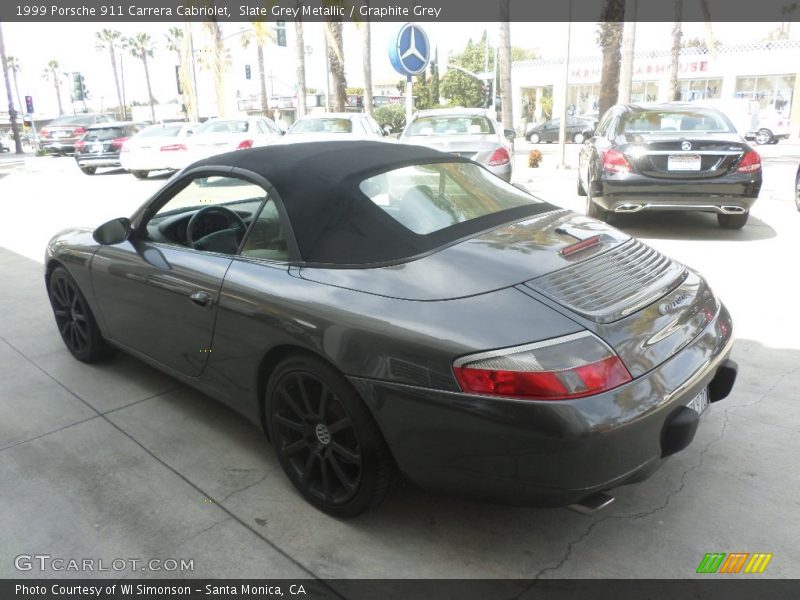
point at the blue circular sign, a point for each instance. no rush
(410, 51)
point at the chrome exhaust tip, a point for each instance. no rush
(732, 210)
(592, 504)
(628, 208)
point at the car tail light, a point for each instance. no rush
(174, 148)
(78, 131)
(118, 142)
(750, 163)
(614, 161)
(499, 157)
(44, 131)
(568, 367)
(245, 144)
(80, 145)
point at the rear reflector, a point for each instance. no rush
(614, 161)
(173, 148)
(582, 245)
(80, 145)
(499, 157)
(573, 366)
(750, 163)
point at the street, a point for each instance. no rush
(118, 460)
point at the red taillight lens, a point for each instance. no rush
(245, 144)
(573, 366)
(614, 161)
(78, 131)
(44, 131)
(118, 142)
(750, 163)
(173, 148)
(80, 145)
(499, 157)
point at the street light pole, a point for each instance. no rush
(562, 127)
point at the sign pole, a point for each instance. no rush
(409, 98)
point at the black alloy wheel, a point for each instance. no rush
(535, 138)
(89, 170)
(797, 190)
(140, 174)
(74, 319)
(325, 438)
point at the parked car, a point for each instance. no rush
(219, 135)
(771, 127)
(334, 126)
(467, 132)
(101, 145)
(670, 156)
(797, 188)
(385, 308)
(762, 125)
(548, 131)
(149, 150)
(60, 134)
(5, 143)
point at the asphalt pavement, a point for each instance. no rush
(119, 461)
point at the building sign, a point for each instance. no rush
(642, 70)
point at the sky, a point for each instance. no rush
(72, 44)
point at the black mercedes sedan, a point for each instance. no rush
(577, 131)
(399, 311)
(669, 157)
(101, 144)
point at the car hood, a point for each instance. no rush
(499, 258)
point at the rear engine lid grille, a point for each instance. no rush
(612, 285)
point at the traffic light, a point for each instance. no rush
(29, 104)
(247, 71)
(280, 30)
(79, 91)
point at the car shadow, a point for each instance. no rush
(689, 226)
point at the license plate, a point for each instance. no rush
(59, 134)
(684, 162)
(700, 402)
(97, 147)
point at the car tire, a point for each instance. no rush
(535, 138)
(325, 438)
(578, 138)
(76, 323)
(763, 136)
(140, 174)
(89, 170)
(593, 209)
(733, 221)
(774, 141)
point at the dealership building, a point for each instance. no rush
(768, 72)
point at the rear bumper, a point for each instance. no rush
(57, 146)
(110, 160)
(550, 453)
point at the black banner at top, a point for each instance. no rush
(32, 11)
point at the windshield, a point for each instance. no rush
(667, 121)
(160, 131)
(322, 126)
(451, 125)
(427, 198)
(106, 133)
(78, 120)
(222, 127)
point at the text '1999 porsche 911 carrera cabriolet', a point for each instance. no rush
(386, 310)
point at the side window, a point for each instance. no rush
(210, 214)
(266, 238)
(602, 126)
(262, 127)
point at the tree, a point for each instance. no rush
(458, 87)
(435, 82)
(110, 39)
(504, 60)
(610, 40)
(300, 58)
(141, 46)
(391, 116)
(11, 115)
(215, 57)
(366, 56)
(261, 33)
(14, 67)
(335, 39)
(53, 72)
(677, 44)
(176, 42)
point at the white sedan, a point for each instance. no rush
(151, 148)
(334, 126)
(219, 135)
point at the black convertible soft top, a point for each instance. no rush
(334, 223)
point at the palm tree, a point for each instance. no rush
(12, 117)
(177, 43)
(333, 33)
(141, 46)
(261, 33)
(366, 55)
(610, 40)
(300, 57)
(215, 57)
(504, 59)
(14, 67)
(109, 39)
(677, 43)
(53, 72)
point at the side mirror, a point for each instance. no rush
(509, 134)
(113, 232)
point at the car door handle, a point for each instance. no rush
(200, 298)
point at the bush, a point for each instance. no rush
(534, 158)
(391, 116)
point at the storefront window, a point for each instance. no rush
(700, 89)
(582, 99)
(644, 91)
(771, 91)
